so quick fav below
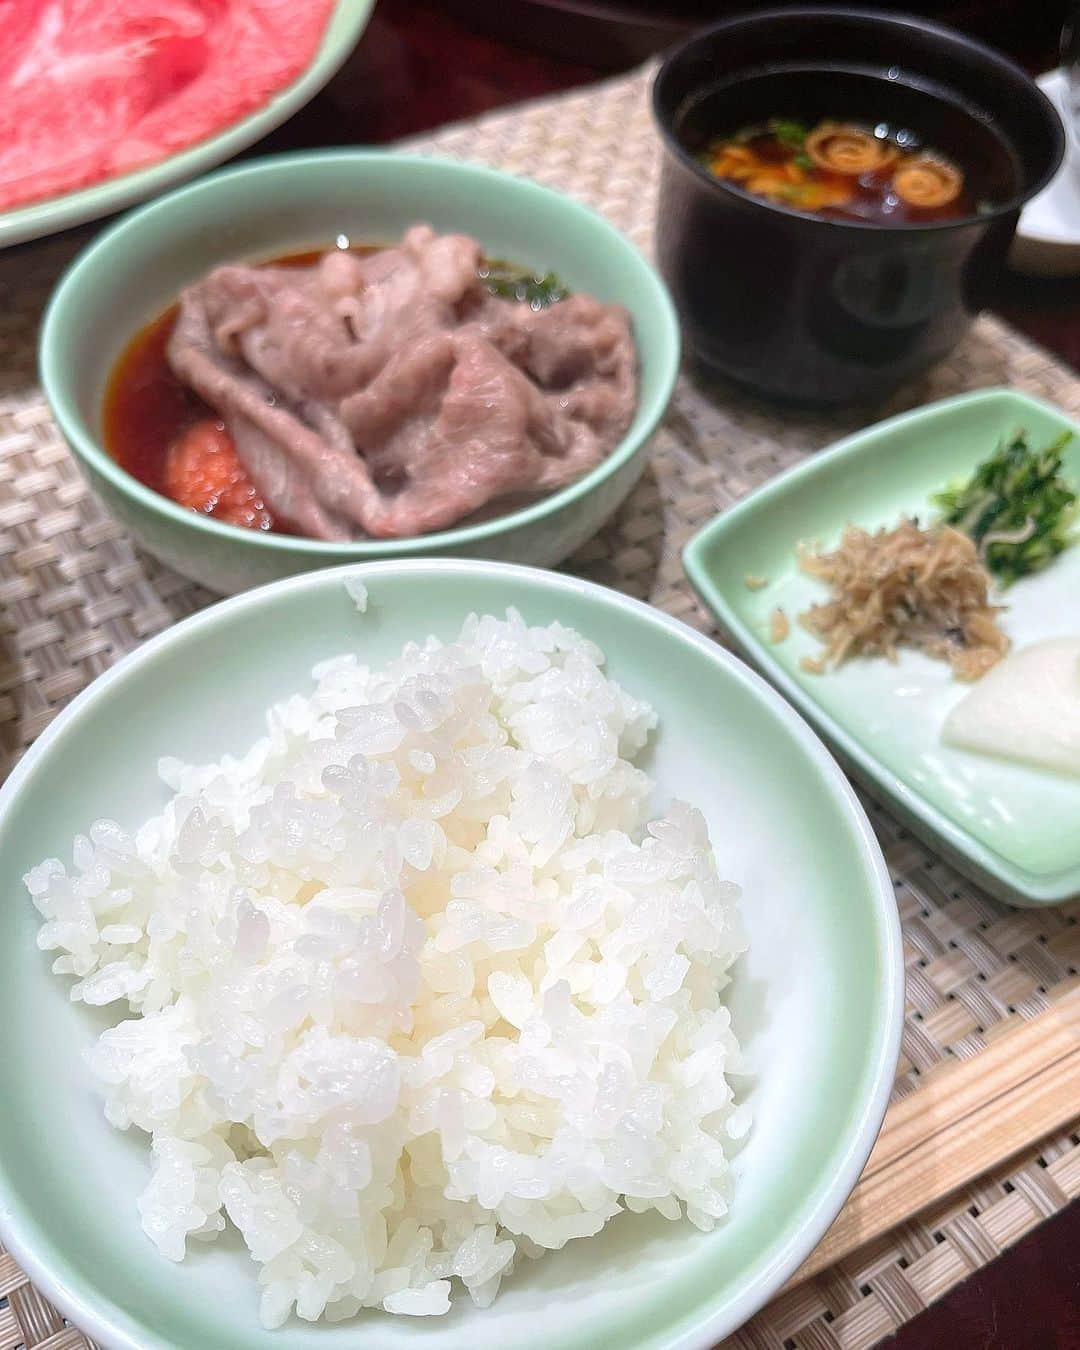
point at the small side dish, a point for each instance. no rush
(378, 392)
(964, 718)
(419, 986)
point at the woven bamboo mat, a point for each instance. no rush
(75, 595)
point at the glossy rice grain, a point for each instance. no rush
(417, 986)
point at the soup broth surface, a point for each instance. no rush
(850, 145)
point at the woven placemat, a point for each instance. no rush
(75, 595)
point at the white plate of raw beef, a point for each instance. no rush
(106, 104)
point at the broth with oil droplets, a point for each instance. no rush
(842, 170)
(850, 146)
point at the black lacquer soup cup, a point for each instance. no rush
(808, 309)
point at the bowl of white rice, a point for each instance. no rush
(434, 952)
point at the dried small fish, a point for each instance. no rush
(906, 587)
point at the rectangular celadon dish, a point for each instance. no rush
(1013, 828)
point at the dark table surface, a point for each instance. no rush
(420, 65)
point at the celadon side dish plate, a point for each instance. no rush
(1011, 827)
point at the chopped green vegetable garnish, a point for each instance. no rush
(789, 133)
(1015, 507)
(518, 283)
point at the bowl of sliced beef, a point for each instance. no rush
(347, 355)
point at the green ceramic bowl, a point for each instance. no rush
(303, 201)
(817, 1001)
(347, 22)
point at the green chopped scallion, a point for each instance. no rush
(538, 289)
(1016, 507)
(788, 132)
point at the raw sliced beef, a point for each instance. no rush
(391, 394)
(94, 88)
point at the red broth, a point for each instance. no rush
(168, 438)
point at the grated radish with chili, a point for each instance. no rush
(203, 472)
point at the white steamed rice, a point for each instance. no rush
(416, 991)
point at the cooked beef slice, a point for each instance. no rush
(391, 394)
